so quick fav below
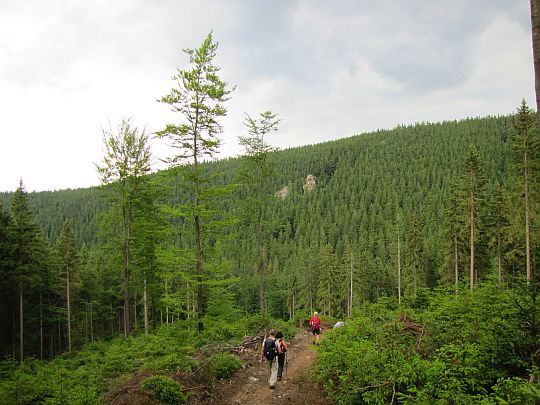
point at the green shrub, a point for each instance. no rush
(164, 389)
(474, 348)
(223, 365)
(85, 377)
(365, 362)
(21, 388)
(219, 330)
(174, 362)
(516, 391)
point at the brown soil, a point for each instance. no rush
(128, 392)
(250, 385)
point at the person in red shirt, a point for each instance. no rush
(315, 325)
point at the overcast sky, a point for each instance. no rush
(329, 69)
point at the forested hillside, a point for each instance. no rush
(401, 163)
(51, 208)
(377, 217)
(364, 185)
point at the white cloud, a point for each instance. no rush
(68, 67)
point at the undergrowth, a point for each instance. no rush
(477, 348)
(85, 377)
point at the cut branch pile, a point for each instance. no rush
(414, 329)
(249, 342)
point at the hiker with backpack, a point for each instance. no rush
(282, 356)
(315, 325)
(270, 351)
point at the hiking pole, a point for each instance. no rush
(286, 368)
(262, 347)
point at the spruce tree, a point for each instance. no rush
(68, 253)
(127, 160)
(526, 151)
(453, 232)
(349, 262)
(472, 183)
(329, 283)
(256, 172)
(148, 230)
(25, 254)
(198, 98)
(414, 257)
(6, 286)
(498, 223)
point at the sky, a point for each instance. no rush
(71, 68)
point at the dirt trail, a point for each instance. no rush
(250, 385)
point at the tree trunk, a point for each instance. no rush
(153, 313)
(40, 326)
(14, 333)
(188, 301)
(527, 221)
(456, 267)
(167, 306)
(112, 320)
(68, 311)
(59, 337)
(91, 324)
(260, 261)
(197, 220)
(472, 243)
(51, 329)
(21, 324)
(86, 322)
(535, 25)
(198, 256)
(399, 269)
(293, 306)
(145, 307)
(127, 236)
(135, 310)
(351, 288)
(499, 258)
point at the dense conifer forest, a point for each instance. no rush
(371, 193)
(369, 190)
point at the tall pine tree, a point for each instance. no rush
(127, 160)
(472, 183)
(68, 253)
(256, 172)
(25, 254)
(526, 148)
(198, 98)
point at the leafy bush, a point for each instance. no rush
(474, 348)
(164, 389)
(362, 363)
(39, 382)
(516, 391)
(219, 330)
(85, 377)
(223, 365)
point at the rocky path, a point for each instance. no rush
(250, 385)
